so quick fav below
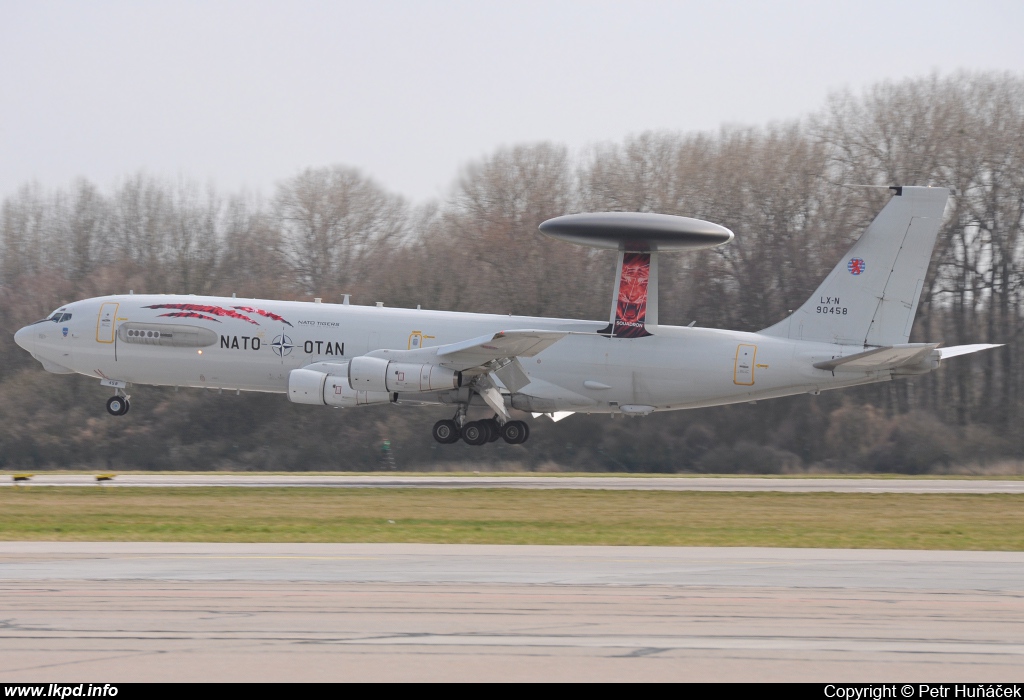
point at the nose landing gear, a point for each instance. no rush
(118, 405)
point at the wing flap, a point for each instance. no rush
(497, 346)
(512, 376)
(480, 351)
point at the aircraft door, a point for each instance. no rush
(418, 340)
(743, 369)
(105, 322)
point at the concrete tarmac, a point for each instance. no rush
(794, 485)
(109, 612)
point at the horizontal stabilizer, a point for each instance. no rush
(964, 350)
(886, 357)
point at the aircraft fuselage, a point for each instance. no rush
(673, 368)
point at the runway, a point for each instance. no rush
(285, 612)
(674, 483)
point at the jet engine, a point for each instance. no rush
(377, 374)
(321, 389)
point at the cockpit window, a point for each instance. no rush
(57, 317)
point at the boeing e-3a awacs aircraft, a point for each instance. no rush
(853, 330)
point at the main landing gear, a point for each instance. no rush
(118, 405)
(479, 432)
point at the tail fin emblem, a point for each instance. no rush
(855, 266)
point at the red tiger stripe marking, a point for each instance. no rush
(267, 314)
(203, 308)
(190, 314)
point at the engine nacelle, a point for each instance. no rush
(377, 374)
(321, 389)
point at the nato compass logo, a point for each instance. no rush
(855, 266)
(282, 345)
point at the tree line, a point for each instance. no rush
(797, 194)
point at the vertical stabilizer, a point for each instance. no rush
(870, 298)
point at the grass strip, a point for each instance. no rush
(509, 516)
(965, 476)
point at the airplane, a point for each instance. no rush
(853, 330)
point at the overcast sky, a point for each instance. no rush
(243, 94)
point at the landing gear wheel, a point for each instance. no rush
(515, 432)
(127, 405)
(493, 427)
(475, 433)
(117, 406)
(446, 432)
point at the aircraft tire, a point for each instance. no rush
(475, 433)
(117, 406)
(515, 432)
(127, 406)
(446, 432)
(494, 427)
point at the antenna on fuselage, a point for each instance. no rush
(638, 237)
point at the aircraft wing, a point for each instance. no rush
(497, 346)
(886, 357)
(480, 351)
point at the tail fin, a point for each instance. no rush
(870, 298)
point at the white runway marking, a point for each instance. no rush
(795, 485)
(767, 643)
(180, 611)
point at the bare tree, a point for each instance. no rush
(193, 239)
(494, 214)
(84, 224)
(333, 220)
(23, 234)
(253, 263)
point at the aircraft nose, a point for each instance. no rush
(24, 338)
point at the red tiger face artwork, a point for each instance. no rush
(631, 309)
